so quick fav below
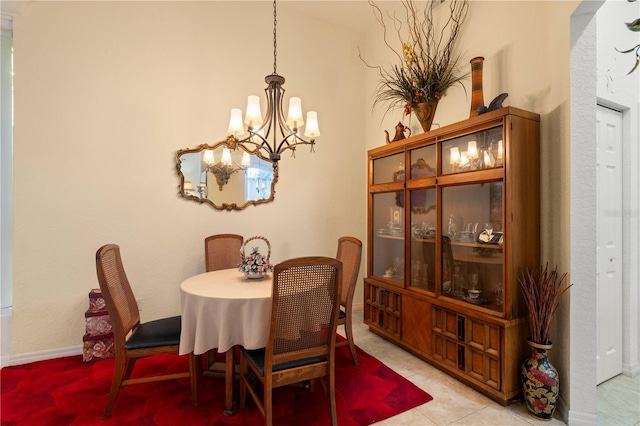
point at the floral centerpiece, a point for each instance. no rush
(256, 265)
(428, 61)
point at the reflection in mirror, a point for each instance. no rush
(226, 175)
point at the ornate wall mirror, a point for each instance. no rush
(226, 175)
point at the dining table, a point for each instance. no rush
(223, 309)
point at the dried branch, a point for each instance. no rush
(542, 290)
(429, 59)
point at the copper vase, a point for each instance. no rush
(477, 98)
(425, 112)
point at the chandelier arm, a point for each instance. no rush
(262, 144)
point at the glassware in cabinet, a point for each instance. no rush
(472, 255)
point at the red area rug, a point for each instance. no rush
(66, 391)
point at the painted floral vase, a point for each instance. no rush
(540, 382)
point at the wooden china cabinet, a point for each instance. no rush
(451, 211)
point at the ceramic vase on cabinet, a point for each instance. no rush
(425, 112)
(477, 96)
(540, 382)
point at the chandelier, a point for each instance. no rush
(224, 168)
(273, 134)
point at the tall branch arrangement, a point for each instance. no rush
(542, 289)
(428, 58)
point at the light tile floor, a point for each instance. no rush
(453, 402)
(619, 401)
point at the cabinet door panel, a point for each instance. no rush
(493, 372)
(450, 324)
(450, 354)
(416, 323)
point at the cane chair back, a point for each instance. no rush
(222, 251)
(350, 254)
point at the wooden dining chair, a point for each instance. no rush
(133, 339)
(350, 254)
(222, 251)
(301, 344)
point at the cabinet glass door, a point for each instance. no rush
(472, 256)
(388, 169)
(388, 237)
(423, 239)
(477, 151)
(423, 162)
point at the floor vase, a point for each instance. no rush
(540, 382)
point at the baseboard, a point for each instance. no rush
(6, 316)
(562, 410)
(44, 355)
(577, 418)
(631, 370)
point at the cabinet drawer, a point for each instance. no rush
(446, 323)
(382, 309)
(483, 337)
(483, 367)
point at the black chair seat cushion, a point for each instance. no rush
(257, 359)
(162, 332)
(342, 314)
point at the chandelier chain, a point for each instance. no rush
(275, 44)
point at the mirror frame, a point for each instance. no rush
(231, 144)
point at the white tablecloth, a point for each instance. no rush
(221, 309)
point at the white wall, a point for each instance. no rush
(107, 92)
(621, 90)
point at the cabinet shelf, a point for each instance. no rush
(417, 282)
(391, 237)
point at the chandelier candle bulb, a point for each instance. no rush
(464, 158)
(313, 129)
(487, 159)
(246, 159)
(472, 150)
(253, 118)
(235, 122)
(294, 119)
(226, 157)
(208, 157)
(454, 157)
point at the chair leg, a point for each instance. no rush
(119, 373)
(195, 366)
(348, 330)
(243, 383)
(332, 398)
(268, 401)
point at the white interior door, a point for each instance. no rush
(609, 244)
